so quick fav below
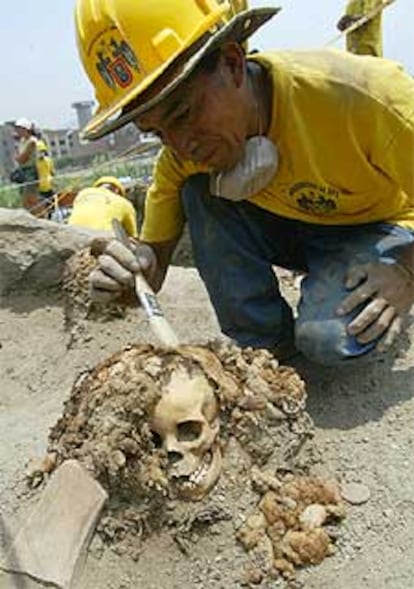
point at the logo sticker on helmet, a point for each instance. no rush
(116, 62)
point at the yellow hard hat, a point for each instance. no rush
(126, 46)
(113, 182)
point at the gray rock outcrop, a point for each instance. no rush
(33, 251)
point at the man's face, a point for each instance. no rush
(205, 119)
(20, 132)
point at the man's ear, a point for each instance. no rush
(234, 60)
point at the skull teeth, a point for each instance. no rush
(188, 485)
(198, 475)
(196, 478)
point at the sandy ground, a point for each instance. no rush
(364, 421)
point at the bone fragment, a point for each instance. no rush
(49, 549)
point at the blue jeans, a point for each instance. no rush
(235, 245)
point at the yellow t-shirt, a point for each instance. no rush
(366, 40)
(39, 161)
(95, 208)
(344, 127)
(44, 166)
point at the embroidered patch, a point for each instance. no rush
(315, 199)
(116, 61)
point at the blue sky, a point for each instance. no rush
(42, 75)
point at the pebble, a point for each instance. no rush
(355, 493)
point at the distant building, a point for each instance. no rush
(7, 150)
(66, 143)
(83, 112)
(61, 142)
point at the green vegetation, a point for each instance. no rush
(71, 177)
(10, 197)
(76, 178)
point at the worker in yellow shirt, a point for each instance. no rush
(95, 207)
(300, 159)
(45, 170)
(366, 39)
(35, 169)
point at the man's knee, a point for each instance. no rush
(327, 342)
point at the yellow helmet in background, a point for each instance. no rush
(236, 6)
(113, 181)
(126, 45)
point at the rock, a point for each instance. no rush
(314, 516)
(33, 251)
(41, 465)
(355, 493)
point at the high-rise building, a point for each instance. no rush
(83, 112)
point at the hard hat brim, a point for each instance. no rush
(239, 28)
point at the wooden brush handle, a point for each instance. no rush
(146, 296)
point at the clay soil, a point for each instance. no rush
(364, 420)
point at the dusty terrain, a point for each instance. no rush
(364, 421)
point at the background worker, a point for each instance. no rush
(96, 206)
(252, 161)
(366, 39)
(35, 167)
(45, 170)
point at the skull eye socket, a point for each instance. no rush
(188, 431)
(156, 439)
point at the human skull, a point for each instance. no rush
(186, 420)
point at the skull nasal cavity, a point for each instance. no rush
(174, 457)
(187, 431)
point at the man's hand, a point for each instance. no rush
(346, 21)
(388, 293)
(114, 274)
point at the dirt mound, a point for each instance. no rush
(363, 427)
(78, 307)
(129, 422)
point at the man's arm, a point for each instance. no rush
(24, 156)
(385, 288)
(160, 233)
(163, 252)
